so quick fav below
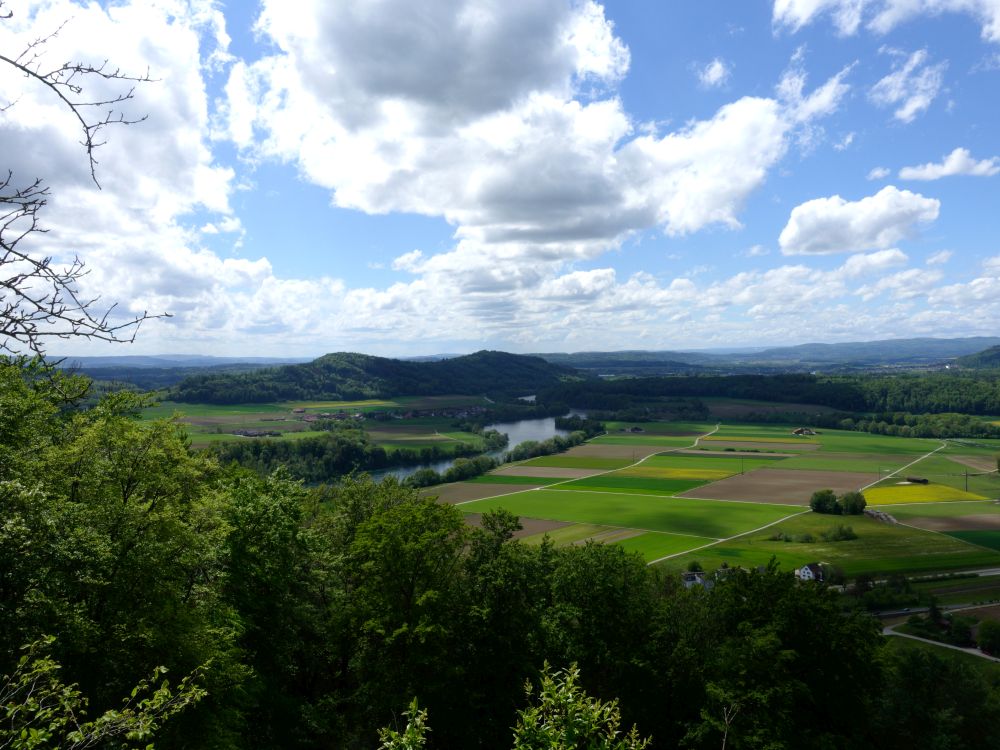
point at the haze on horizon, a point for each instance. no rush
(533, 176)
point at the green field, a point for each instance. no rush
(729, 464)
(578, 462)
(983, 537)
(856, 462)
(573, 534)
(880, 548)
(700, 518)
(645, 485)
(666, 441)
(655, 545)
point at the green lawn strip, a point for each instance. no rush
(732, 464)
(576, 532)
(654, 545)
(854, 462)
(973, 447)
(989, 669)
(983, 537)
(880, 548)
(941, 510)
(579, 462)
(664, 440)
(844, 441)
(702, 518)
(614, 482)
(504, 479)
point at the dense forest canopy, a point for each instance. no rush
(914, 393)
(988, 359)
(358, 376)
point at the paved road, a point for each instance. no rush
(973, 651)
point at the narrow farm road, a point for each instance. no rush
(891, 630)
(903, 468)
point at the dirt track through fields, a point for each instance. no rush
(784, 486)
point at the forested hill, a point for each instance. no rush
(985, 360)
(356, 376)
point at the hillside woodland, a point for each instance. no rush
(348, 376)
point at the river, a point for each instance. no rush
(517, 432)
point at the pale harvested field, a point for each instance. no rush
(974, 522)
(750, 444)
(979, 463)
(786, 486)
(459, 492)
(547, 472)
(588, 450)
(530, 526)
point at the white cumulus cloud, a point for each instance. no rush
(958, 162)
(834, 225)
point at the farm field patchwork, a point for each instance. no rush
(943, 469)
(514, 479)
(546, 472)
(877, 465)
(881, 548)
(713, 462)
(620, 484)
(664, 500)
(629, 450)
(780, 486)
(565, 461)
(663, 441)
(698, 518)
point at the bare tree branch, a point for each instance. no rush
(40, 300)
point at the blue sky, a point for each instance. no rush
(531, 175)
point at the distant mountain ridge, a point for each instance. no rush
(913, 352)
(348, 375)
